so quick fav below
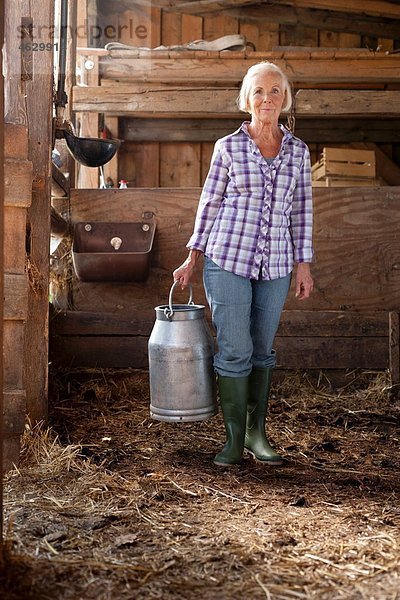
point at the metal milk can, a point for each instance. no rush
(181, 349)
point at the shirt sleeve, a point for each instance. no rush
(210, 201)
(302, 214)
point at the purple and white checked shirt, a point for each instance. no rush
(254, 219)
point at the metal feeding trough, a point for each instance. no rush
(112, 251)
(91, 152)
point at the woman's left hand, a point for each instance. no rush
(304, 281)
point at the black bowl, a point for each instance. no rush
(91, 152)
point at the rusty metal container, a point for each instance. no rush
(181, 349)
(112, 251)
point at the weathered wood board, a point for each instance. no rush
(17, 198)
(134, 131)
(29, 122)
(18, 182)
(13, 369)
(357, 269)
(305, 339)
(14, 239)
(39, 105)
(317, 65)
(347, 102)
(356, 241)
(15, 297)
(371, 7)
(209, 101)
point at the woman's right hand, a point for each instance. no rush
(184, 273)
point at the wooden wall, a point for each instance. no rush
(18, 196)
(165, 160)
(28, 89)
(160, 159)
(345, 323)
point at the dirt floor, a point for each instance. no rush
(108, 504)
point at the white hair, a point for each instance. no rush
(263, 67)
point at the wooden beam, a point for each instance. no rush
(157, 103)
(38, 102)
(384, 131)
(378, 8)
(61, 183)
(294, 323)
(76, 322)
(3, 138)
(110, 169)
(192, 102)
(176, 130)
(348, 339)
(58, 225)
(348, 103)
(293, 352)
(203, 7)
(87, 125)
(364, 7)
(318, 19)
(316, 65)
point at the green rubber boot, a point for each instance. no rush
(256, 442)
(233, 392)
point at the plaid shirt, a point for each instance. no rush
(254, 217)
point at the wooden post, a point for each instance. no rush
(87, 125)
(38, 102)
(2, 14)
(394, 348)
(111, 168)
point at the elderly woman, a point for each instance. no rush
(253, 224)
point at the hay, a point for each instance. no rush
(109, 504)
(36, 279)
(61, 274)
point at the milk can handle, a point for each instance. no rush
(168, 311)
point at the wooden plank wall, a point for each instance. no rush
(344, 324)
(18, 195)
(28, 114)
(185, 163)
(2, 160)
(39, 96)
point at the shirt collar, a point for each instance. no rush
(286, 133)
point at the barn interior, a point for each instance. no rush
(159, 79)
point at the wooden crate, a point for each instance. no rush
(345, 163)
(347, 182)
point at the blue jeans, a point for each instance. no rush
(245, 314)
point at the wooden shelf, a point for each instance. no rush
(122, 100)
(180, 83)
(316, 65)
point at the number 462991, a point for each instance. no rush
(37, 47)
